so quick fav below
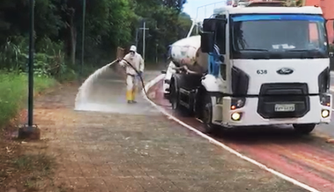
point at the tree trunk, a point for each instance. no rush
(73, 39)
(73, 44)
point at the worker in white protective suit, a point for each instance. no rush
(132, 77)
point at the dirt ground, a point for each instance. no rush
(129, 149)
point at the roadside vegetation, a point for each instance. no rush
(14, 79)
(58, 34)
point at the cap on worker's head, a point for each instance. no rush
(133, 48)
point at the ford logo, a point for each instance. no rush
(284, 71)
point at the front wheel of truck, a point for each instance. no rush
(304, 129)
(207, 116)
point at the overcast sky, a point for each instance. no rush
(191, 7)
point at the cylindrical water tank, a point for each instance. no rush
(187, 52)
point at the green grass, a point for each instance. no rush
(13, 93)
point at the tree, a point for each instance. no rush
(109, 23)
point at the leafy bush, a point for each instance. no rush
(49, 59)
(13, 93)
(49, 64)
(14, 53)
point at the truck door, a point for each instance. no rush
(222, 57)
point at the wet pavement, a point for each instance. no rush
(134, 148)
(107, 94)
(308, 159)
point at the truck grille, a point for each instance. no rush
(274, 95)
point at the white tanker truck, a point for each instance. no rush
(253, 66)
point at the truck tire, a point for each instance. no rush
(207, 116)
(303, 129)
(174, 96)
(174, 100)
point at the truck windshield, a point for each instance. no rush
(279, 36)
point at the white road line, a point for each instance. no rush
(212, 140)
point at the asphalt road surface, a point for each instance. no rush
(308, 159)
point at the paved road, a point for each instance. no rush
(107, 94)
(309, 159)
(133, 148)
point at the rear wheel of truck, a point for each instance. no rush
(304, 129)
(207, 116)
(174, 96)
(175, 100)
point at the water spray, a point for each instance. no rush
(81, 98)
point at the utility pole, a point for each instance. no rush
(31, 65)
(156, 52)
(30, 130)
(144, 40)
(144, 37)
(137, 31)
(83, 37)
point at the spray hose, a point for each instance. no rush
(142, 83)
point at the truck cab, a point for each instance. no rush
(266, 66)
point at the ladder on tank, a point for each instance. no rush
(197, 22)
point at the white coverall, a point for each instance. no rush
(137, 62)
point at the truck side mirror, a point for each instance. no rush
(209, 25)
(207, 42)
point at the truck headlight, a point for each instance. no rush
(237, 103)
(324, 113)
(236, 116)
(325, 100)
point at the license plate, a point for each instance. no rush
(284, 107)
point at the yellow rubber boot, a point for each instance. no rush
(134, 91)
(129, 96)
